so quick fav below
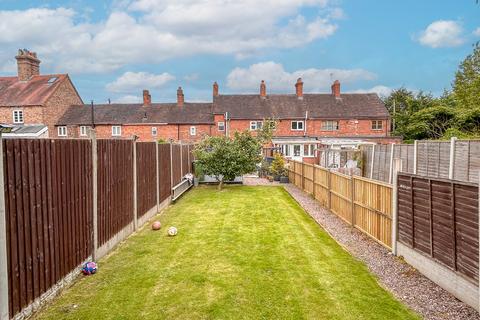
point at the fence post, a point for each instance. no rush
(397, 167)
(93, 137)
(158, 175)
(181, 159)
(390, 177)
(373, 161)
(303, 176)
(314, 187)
(329, 185)
(171, 167)
(451, 167)
(3, 244)
(135, 200)
(415, 156)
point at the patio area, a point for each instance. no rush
(247, 252)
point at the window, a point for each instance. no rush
(330, 125)
(308, 150)
(193, 131)
(83, 131)
(256, 125)
(221, 126)
(116, 131)
(297, 125)
(62, 131)
(17, 116)
(377, 124)
(154, 131)
(297, 150)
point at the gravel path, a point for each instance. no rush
(406, 283)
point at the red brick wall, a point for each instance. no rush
(31, 114)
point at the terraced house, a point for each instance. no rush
(32, 103)
(304, 122)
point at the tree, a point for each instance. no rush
(226, 158)
(466, 86)
(430, 123)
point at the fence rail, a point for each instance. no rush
(52, 204)
(363, 203)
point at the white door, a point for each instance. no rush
(297, 152)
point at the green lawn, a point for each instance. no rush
(242, 253)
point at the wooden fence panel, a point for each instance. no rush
(164, 171)
(322, 193)
(115, 187)
(440, 219)
(373, 209)
(146, 177)
(186, 167)
(48, 209)
(308, 177)
(341, 196)
(405, 152)
(433, 158)
(177, 163)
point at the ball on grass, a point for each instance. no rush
(172, 231)
(89, 268)
(156, 225)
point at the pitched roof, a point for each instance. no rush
(288, 106)
(195, 113)
(34, 92)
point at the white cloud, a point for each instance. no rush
(136, 81)
(191, 77)
(128, 99)
(150, 31)
(442, 33)
(477, 32)
(279, 80)
(382, 91)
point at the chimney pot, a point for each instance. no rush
(336, 89)
(28, 64)
(263, 89)
(299, 88)
(180, 97)
(215, 89)
(147, 98)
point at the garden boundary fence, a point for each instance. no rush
(454, 159)
(66, 201)
(363, 203)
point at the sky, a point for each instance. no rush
(115, 49)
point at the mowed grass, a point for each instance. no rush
(242, 253)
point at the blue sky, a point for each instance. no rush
(114, 49)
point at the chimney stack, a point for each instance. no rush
(299, 88)
(263, 89)
(28, 64)
(180, 97)
(147, 98)
(215, 89)
(336, 89)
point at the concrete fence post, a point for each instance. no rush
(415, 156)
(451, 166)
(397, 167)
(135, 198)
(93, 137)
(390, 176)
(158, 175)
(372, 165)
(3, 244)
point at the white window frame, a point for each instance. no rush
(154, 131)
(193, 131)
(116, 131)
(83, 131)
(256, 125)
(17, 115)
(221, 125)
(297, 122)
(62, 131)
(330, 125)
(310, 150)
(376, 127)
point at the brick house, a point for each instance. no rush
(304, 122)
(31, 103)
